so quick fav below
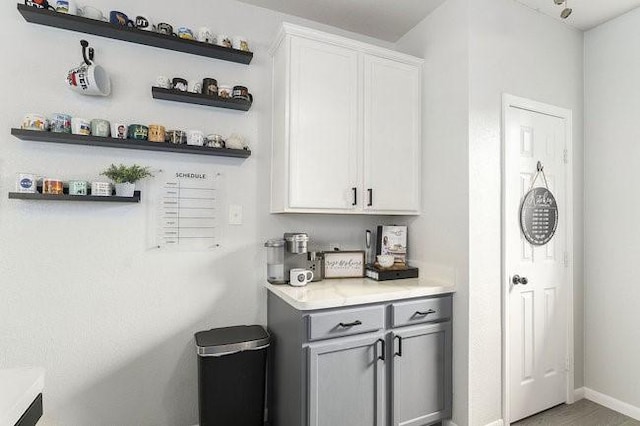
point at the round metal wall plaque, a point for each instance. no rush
(539, 216)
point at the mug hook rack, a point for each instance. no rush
(87, 52)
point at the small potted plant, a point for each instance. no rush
(125, 177)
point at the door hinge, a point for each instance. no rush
(565, 156)
(565, 259)
(567, 364)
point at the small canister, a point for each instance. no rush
(52, 186)
(78, 187)
(27, 183)
(101, 189)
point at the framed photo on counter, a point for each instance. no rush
(344, 264)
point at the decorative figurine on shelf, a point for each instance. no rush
(89, 78)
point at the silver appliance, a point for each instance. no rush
(297, 255)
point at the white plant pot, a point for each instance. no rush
(125, 189)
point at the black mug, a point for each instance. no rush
(210, 87)
(120, 19)
(241, 92)
(164, 28)
(180, 84)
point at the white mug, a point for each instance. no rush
(204, 35)
(80, 126)
(164, 82)
(195, 86)
(91, 13)
(195, 138)
(66, 6)
(240, 43)
(299, 277)
(90, 80)
(119, 130)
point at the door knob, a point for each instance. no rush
(517, 279)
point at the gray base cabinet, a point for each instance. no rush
(373, 365)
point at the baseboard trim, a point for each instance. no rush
(496, 423)
(578, 394)
(448, 423)
(612, 403)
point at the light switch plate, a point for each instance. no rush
(235, 214)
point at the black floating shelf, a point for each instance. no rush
(133, 35)
(65, 138)
(66, 197)
(200, 99)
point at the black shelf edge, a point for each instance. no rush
(105, 29)
(49, 197)
(69, 139)
(199, 99)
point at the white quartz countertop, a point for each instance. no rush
(19, 387)
(334, 293)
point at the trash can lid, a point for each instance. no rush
(229, 340)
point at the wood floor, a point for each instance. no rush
(582, 413)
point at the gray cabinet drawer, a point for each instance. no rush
(420, 311)
(327, 325)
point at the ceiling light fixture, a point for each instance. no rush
(567, 11)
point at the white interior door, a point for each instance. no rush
(537, 319)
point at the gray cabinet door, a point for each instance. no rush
(347, 382)
(421, 371)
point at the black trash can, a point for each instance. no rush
(232, 364)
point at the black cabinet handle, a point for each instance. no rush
(351, 324)
(355, 196)
(370, 191)
(399, 352)
(382, 355)
(424, 314)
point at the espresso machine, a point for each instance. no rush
(289, 253)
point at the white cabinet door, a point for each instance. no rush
(392, 154)
(323, 149)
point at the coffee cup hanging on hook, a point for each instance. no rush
(539, 212)
(88, 78)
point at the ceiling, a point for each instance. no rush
(383, 19)
(391, 19)
(586, 13)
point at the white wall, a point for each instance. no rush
(81, 292)
(440, 236)
(612, 238)
(512, 50)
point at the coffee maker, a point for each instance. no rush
(296, 255)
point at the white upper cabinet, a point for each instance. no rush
(346, 126)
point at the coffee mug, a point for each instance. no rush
(225, 91)
(90, 80)
(35, 122)
(195, 86)
(204, 35)
(52, 186)
(299, 277)
(143, 23)
(138, 131)
(164, 82)
(224, 40)
(80, 126)
(214, 141)
(210, 87)
(180, 84)
(40, 4)
(176, 137)
(241, 92)
(27, 182)
(121, 19)
(66, 6)
(166, 29)
(157, 133)
(240, 43)
(91, 12)
(100, 128)
(195, 138)
(60, 123)
(186, 33)
(119, 130)
(78, 187)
